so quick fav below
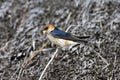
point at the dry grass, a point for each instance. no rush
(20, 35)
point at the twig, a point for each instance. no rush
(47, 49)
(48, 64)
(103, 59)
(4, 47)
(32, 55)
(14, 73)
(27, 59)
(24, 13)
(20, 72)
(68, 28)
(67, 20)
(115, 60)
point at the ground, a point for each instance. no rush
(21, 24)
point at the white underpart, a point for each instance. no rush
(61, 42)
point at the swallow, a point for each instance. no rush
(60, 37)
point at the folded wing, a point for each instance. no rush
(64, 35)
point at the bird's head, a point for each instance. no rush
(48, 28)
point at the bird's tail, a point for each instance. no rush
(83, 39)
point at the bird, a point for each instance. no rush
(62, 38)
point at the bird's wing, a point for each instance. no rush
(64, 35)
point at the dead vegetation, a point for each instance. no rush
(21, 22)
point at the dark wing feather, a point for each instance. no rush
(64, 35)
(83, 37)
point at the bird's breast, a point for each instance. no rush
(61, 42)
